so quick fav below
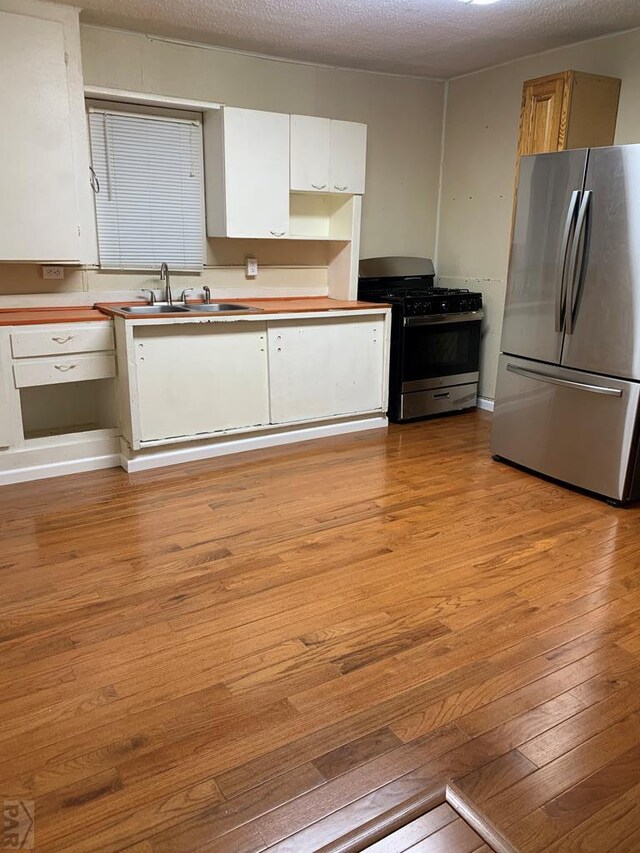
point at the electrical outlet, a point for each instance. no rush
(53, 272)
(251, 267)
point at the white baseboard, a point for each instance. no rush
(195, 452)
(58, 469)
(485, 403)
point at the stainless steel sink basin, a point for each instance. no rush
(154, 309)
(216, 307)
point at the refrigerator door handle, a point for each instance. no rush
(576, 272)
(561, 285)
(565, 383)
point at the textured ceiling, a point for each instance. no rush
(432, 38)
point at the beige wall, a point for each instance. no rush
(404, 117)
(481, 132)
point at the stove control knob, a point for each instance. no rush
(444, 305)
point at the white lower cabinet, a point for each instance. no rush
(321, 368)
(191, 380)
(57, 412)
(195, 379)
(8, 406)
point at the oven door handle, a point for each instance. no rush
(440, 319)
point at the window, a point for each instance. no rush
(149, 190)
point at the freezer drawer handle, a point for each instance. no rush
(565, 383)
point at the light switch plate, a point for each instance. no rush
(53, 272)
(251, 267)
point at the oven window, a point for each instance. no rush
(436, 350)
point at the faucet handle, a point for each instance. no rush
(152, 295)
(207, 294)
(183, 297)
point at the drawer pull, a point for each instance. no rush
(62, 340)
(64, 367)
(278, 233)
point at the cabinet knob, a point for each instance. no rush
(60, 340)
(277, 233)
(339, 188)
(318, 186)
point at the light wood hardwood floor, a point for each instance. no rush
(266, 650)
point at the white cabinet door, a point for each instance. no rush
(39, 213)
(348, 156)
(6, 414)
(310, 153)
(196, 378)
(327, 155)
(10, 416)
(325, 368)
(247, 173)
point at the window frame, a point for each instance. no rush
(148, 111)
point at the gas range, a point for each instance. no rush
(435, 337)
(420, 301)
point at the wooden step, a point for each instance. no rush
(440, 820)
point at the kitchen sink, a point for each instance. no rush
(216, 307)
(154, 309)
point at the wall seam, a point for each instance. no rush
(443, 139)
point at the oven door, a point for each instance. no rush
(441, 350)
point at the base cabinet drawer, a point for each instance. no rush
(61, 339)
(574, 426)
(49, 371)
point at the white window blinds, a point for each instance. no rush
(149, 199)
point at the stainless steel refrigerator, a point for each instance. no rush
(569, 370)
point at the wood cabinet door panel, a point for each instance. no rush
(544, 116)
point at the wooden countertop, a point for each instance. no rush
(38, 316)
(288, 305)
(103, 311)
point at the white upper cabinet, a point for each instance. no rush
(46, 201)
(310, 154)
(246, 173)
(327, 155)
(348, 157)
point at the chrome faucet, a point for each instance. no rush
(164, 276)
